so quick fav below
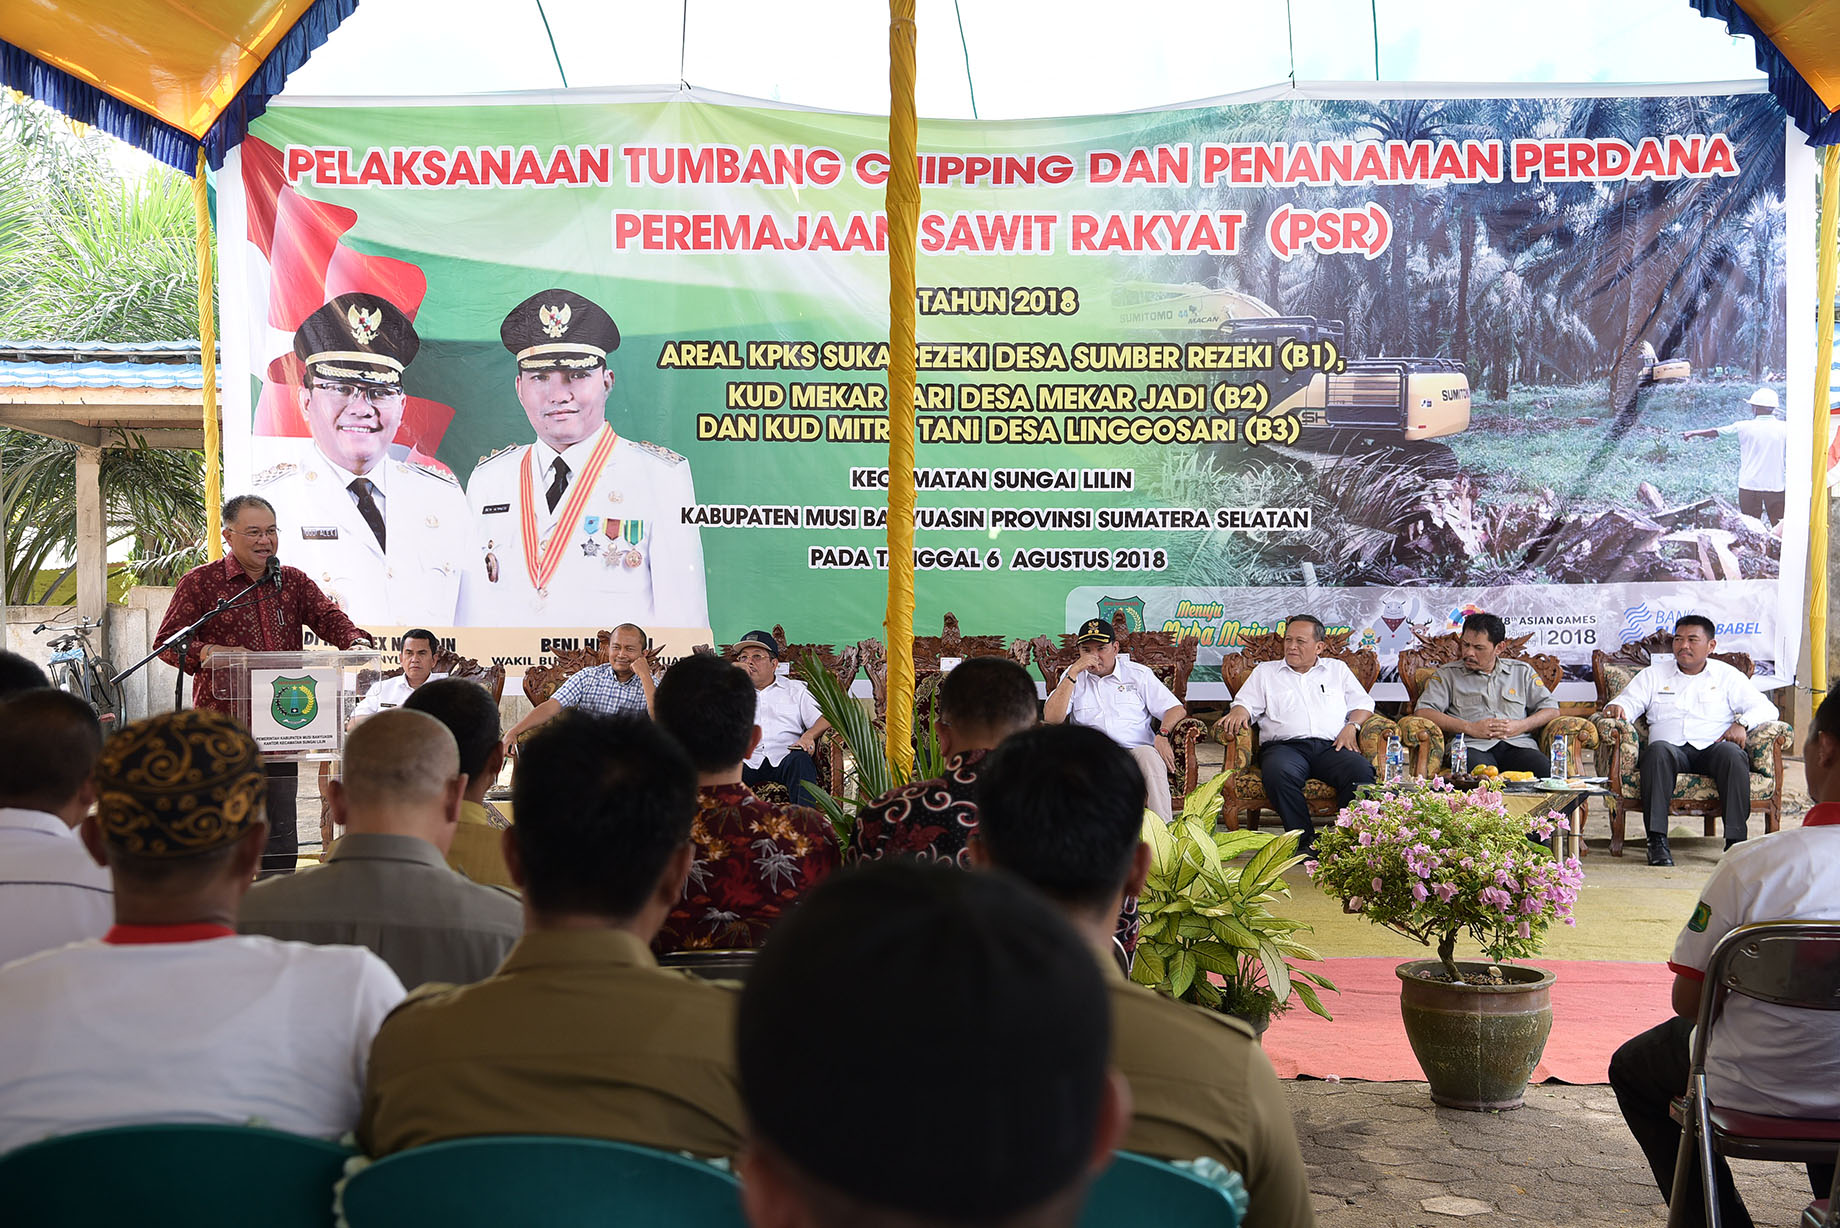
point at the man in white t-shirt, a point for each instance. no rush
(1761, 1058)
(171, 1016)
(1309, 709)
(789, 720)
(1123, 700)
(1699, 714)
(1763, 441)
(51, 890)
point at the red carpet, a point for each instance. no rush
(1597, 1005)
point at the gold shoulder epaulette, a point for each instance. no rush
(274, 473)
(662, 453)
(491, 456)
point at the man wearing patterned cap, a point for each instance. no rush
(172, 1016)
(580, 528)
(390, 539)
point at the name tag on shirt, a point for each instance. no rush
(319, 532)
(492, 509)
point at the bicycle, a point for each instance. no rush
(79, 670)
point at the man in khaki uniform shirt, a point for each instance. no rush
(1200, 1083)
(386, 886)
(580, 1032)
(466, 708)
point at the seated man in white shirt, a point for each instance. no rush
(51, 890)
(1122, 700)
(1761, 1058)
(1698, 713)
(419, 650)
(171, 1016)
(789, 721)
(1309, 710)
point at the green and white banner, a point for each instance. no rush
(1386, 359)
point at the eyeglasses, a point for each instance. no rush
(256, 535)
(378, 398)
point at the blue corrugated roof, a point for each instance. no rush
(102, 375)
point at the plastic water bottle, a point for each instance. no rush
(1395, 760)
(1560, 759)
(1459, 755)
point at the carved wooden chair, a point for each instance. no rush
(1619, 745)
(542, 681)
(929, 651)
(1169, 656)
(1425, 742)
(839, 663)
(1245, 792)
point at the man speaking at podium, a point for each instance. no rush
(267, 620)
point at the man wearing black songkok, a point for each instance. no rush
(998, 1106)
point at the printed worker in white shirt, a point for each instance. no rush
(1123, 700)
(787, 717)
(1699, 711)
(1309, 710)
(1763, 442)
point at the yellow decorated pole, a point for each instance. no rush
(903, 207)
(207, 347)
(1824, 357)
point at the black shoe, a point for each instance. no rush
(1658, 854)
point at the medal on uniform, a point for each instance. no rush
(491, 562)
(542, 568)
(590, 547)
(633, 532)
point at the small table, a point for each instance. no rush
(1570, 805)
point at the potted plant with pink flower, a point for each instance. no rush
(1434, 863)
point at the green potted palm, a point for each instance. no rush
(1434, 863)
(1209, 936)
(862, 739)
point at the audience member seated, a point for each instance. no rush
(580, 1033)
(51, 890)
(1761, 1058)
(622, 686)
(981, 701)
(1309, 709)
(466, 708)
(1698, 711)
(789, 720)
(990, 1099)
(753, 859)
(172, 1016)
(387, 885)
(19, 673)
(419, 650)
(1497, 703)
(1061, 809)
(1127, 702)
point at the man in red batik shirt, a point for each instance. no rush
(267, 621)
(752, 860)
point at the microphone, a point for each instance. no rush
(273, 573)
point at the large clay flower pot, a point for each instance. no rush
(1477, 1044)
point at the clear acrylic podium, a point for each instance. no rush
(295, 703)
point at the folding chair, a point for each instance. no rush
(173, 1176)
(1787, 963)
(558, 1182)
(1137, 1190)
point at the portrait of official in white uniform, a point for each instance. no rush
(389, 539)
(583, 527)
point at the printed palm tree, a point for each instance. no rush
(88, 255)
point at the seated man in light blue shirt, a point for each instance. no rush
(1309, 712)
(622, 686)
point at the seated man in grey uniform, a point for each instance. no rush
(1497, 703)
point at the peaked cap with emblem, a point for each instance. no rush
(179, 783)
(359, 338)
(559, 330)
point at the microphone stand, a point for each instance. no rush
(182, 638)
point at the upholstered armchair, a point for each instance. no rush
(1620, 742)
(1425, 743)
(1245, 792)
(1170, 657)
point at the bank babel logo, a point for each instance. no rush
(1133, 608)
(295, 703)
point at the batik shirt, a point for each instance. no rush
(930, 820)
(753, 861)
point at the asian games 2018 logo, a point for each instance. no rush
(1455, 617)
